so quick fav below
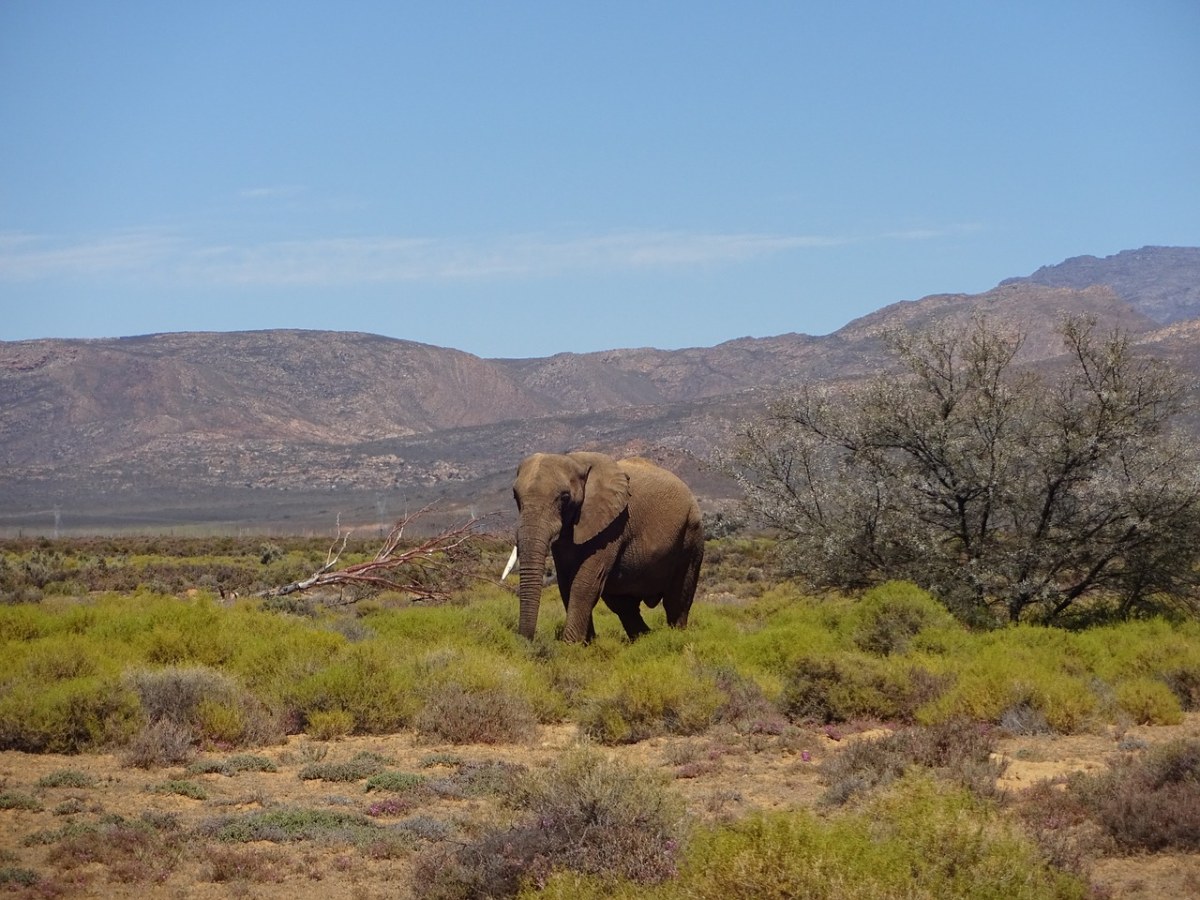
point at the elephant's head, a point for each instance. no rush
(570, 497)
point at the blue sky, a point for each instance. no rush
(518, 179)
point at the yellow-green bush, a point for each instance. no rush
(1148, 701)
(366, 681)
(888, 617)
(328, 725)
(892, 654)
(66, 716)
(662, 696)
(841, 687)
(1023, 667)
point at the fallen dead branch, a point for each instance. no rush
(394, 568)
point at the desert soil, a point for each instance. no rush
(722, 776)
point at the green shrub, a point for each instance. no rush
(19, 800)
(662, 696)
(222, 723)
(293, 824)
(912, 842)
(1149, 701)
(66, 716)
(183, 788)
(921, 840)
(890, 616)
(396, 782)
(1024, 668)
(365, 681)
(329, 725)
(849, 686)
(70, 778)
(361, 765)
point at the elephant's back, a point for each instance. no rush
(652, 486)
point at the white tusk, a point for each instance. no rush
(512, 561)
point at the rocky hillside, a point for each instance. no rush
(291, 429)
(1160, 282)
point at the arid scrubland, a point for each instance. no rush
(162, 737)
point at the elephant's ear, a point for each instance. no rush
(605, 494)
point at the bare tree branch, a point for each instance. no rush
(393, 568)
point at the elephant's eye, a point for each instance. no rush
(564, 497)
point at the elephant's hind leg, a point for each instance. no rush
(677, 601)
(629, 612)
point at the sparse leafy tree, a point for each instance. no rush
(1006, 491)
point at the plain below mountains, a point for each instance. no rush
(297, 430)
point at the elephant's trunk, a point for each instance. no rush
(531, 554)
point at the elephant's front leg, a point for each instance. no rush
(580, 594)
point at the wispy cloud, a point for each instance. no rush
(272, 192)
(361, 260)
(27, 257)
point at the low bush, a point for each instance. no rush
(586, 814)
(960, 752)
(239, 762)
(208, 702)
(920, 840)
(889, 616)
(160, 743)
(746, 705)
(660, 696)
(15, 875)
(396, 782)
(461, 715)
(132, 853)
(244, 864)
(361, 765)
(1149, 701)
(19, 800)
(482, 779)
(182, 788)
(848, 686)
(1150, 804)
(293, 824)
(329, 725)
(70, 778)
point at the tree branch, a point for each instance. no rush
(393, 568)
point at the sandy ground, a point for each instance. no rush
(720, 775)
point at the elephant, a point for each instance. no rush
(623, 531)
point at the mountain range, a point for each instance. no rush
(300, 430)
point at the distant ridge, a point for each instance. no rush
(293, 430)
(1160, 282)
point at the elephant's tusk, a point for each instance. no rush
(512, 561)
